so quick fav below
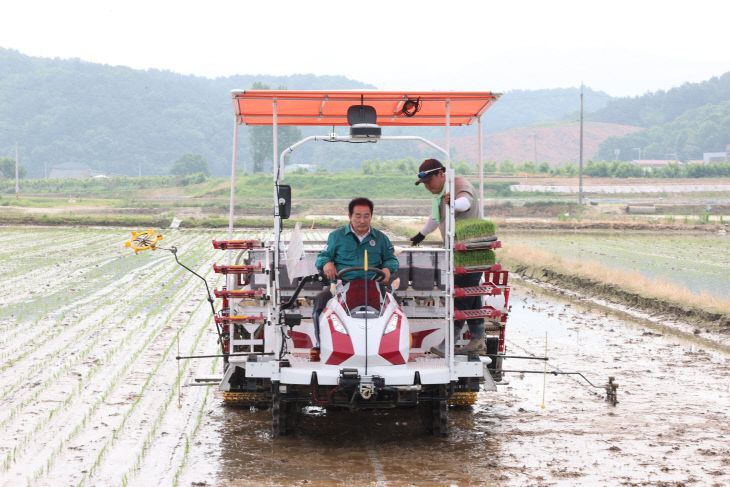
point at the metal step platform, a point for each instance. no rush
(470, 314)
(238, 269)
(240, 293)
(486, 289)
(237, 244)
(240, 319)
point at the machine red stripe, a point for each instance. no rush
(389, 345)
(341, 346)
(301, 340)
(418, 337)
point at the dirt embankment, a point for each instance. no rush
(718, 321)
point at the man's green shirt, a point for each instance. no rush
(345, 250)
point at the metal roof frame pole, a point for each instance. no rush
(449, 241)
(276, 298)
(481, 171)
(230, 277)
(341, 138)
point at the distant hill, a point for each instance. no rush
(119, 120)
(703, 129)
(556, 143)
(115, 119)
(679, 123)
(521, 108)
(661, 107)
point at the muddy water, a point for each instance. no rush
(671, 427)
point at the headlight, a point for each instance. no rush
(392, 324)
(337, 324)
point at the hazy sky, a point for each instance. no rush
(620, 47)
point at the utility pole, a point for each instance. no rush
(638, 149)
(580, 161)
(481, 170)
(17, 186)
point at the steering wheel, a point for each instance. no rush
(379, 274)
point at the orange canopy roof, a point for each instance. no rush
(255, 107)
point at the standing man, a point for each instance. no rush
(345, 248)
(433, 176)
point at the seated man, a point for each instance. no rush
(346, 248)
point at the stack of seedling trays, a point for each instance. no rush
(474, 244)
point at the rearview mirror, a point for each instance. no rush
(284, 201)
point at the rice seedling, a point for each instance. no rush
(475, 257)
(473, 228)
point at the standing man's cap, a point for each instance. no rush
(428, 168)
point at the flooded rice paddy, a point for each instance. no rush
(88, 390)
(699, 262)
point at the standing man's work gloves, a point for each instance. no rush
(417, 239)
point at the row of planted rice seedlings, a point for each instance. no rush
(41, 425)
(151, 435)
(88, 280)
(48, 287)
(32, 240)
(190, 437)
(82, 429)
(43, 249)
(110, 259)
(112, 298)
(59, 367)
(156, 380)
(107, 359)
(52, 330)
(60, 315)
(119, 377)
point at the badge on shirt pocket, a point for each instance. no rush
(372, 243)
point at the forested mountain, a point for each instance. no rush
(703, 129)
(680, 123)
(124, 121)
(116, 119)
(661, 106)
(521, 108)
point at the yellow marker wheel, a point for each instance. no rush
(463, 399)
(143, 240)
(246, 398)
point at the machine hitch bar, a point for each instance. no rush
(182, 357)
(526, 357)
